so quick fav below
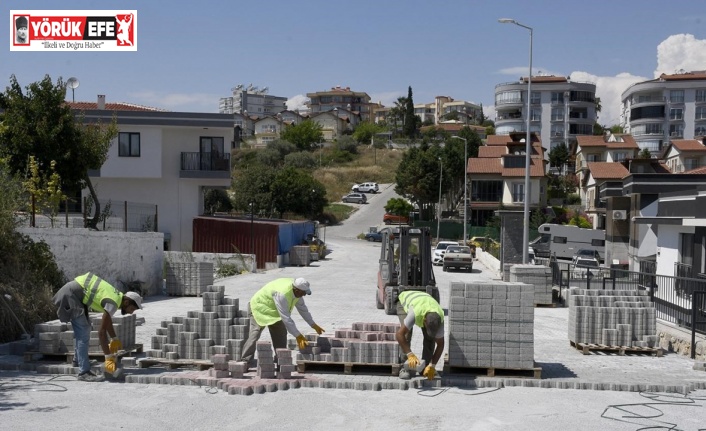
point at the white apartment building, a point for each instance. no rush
(560, 109)
(660, 110)
(253, 101)
(437, 110)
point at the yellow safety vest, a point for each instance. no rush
(422, 303)
(263, 305)
(95, 290)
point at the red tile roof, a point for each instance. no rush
(485, 166)
(536, 170)
(697, 74)
(551, 78)
(492, 151)
(697, 171)
(118, 106)
(607, 170)
(688, 145)
(599, 141)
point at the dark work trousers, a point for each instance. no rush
(428, 342)
(278, 333)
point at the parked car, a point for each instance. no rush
(366, 188)
(585, 265)
(394, 219)
(373, 236)
(457, 257)
(584, 252)
(358, 198)
(439, 250)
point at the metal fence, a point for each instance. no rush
(114, 216)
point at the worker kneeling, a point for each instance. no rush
(271, 307)
(421, 309)
(74, 299)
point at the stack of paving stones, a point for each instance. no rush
(364, 343)
(624, 318)
(188, 279)
(300, 255)
(220, 328)
(491, 325)
(539, 276)
(57, 338)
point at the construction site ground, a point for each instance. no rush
(602, 390)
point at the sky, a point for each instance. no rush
(191, 53)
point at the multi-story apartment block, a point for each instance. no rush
(496, 177)
(669, 107)
(560, 109)
(437, 111)
(253, 101)
(356, 102)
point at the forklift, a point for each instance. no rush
(405, 264)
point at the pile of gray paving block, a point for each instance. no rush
(57, 338)
(364, 343)
(624, 318)
(539, 276)
(220, 328)
(491, 325)
(300, 255)
(188, 278)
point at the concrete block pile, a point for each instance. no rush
(57, 338)
(624, 318)
(300, 255)
(491, 325)
(220, 328)
(188, 279)
(365, 343)
(539, 276)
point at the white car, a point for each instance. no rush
(439, 250)
(585, 267)
(366, 188)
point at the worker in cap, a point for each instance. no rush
(21, 30)
(421, 309)
(271, 307)
(90, 292)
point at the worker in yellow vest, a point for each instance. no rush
(271, 307)
(421, 309)
(89, 292)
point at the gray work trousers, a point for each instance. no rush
(278, 333)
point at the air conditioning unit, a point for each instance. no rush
(619, 214)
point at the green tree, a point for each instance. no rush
(644, 154)
(398, 206)
(481, 116)
(301, 159)
(580, 220)
(474, 141)
(38, 122)
(418, 174)
(294, 190)
(410, 120)
(597, 129)
(616, 129)
(559, 156)
(365, 131)
(304, 135)
(44, 189)
(216, 200)
(253, 186)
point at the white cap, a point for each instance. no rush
(302, 284)
(137, 299)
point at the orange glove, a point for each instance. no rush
(301, 342)
(319, 330)
(110, 365)
(412, 360)
(429, 372)
(115, 345)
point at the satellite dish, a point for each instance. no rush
(73, 84)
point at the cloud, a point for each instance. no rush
(609, 89)
(680, 51)
(297, 102)
(182, 102)
(388, 98)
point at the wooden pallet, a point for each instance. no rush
(550, 305)
(69, 356)
(348, 367)
(587, 348)
(201, 365)
(534, 372)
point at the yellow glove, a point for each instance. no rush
(110, 365)
(115, 345)
(301, 342)
(412, 360)
(429, 372)
(319, 330)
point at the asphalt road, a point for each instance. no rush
(343, 286)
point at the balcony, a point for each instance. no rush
(205, 165)
(636, 100)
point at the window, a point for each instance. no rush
(700, 95)
(700, 113)
(557, 130)
(557, 114)
(536, 114)
(619, 156)
(700, 131)
(676, 96)
(486, 191)
(676, 130)
(598, 242)
(128, 144)
(676, 114)
(536, 98)
(508, 97)
(646, 112)
(518, 192)
(582, 96)
(211, 152)
(559, 240)
(557, 97)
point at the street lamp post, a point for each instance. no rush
(252, 236)
(528, 144)
(465, 185)
(335, 110)
(438, 210)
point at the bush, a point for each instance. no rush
(573, 199)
